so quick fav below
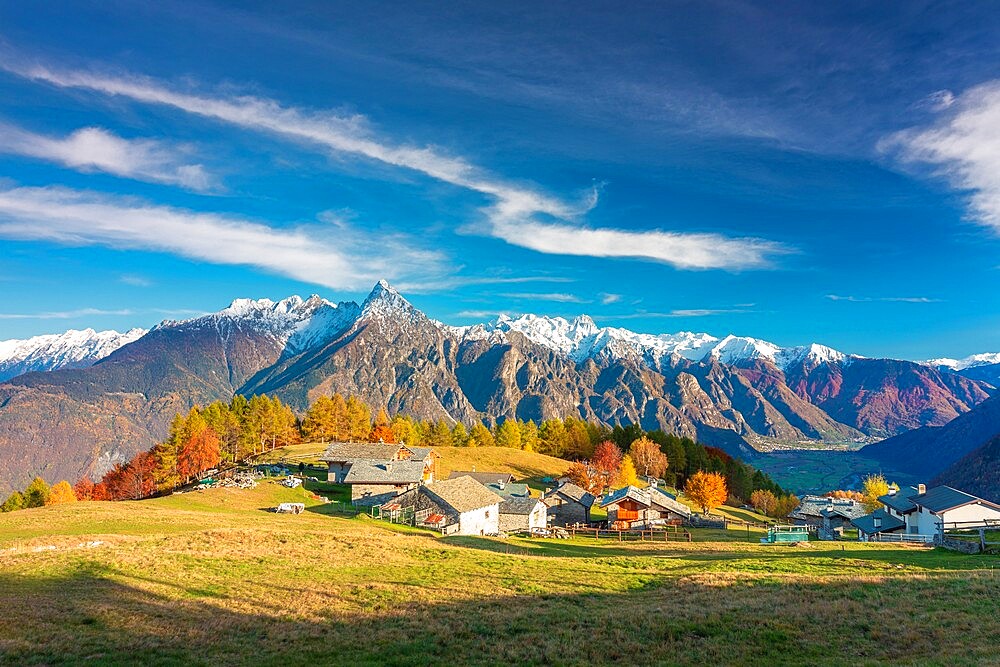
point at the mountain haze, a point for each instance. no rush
(734, 392)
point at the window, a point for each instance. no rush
(487, 514)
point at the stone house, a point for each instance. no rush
(568, 504)
(376, 482)
(460, 506)
(522, 513)
(485, 477)
(830, 515)
(341, 456)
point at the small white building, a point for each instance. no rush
(460, 506)
(925, 512)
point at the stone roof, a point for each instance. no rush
(463, 494)
(573, 492)
(824, 506)
(419, 453)
(647, 497)
(483, 477)
(523, 506)
(866, 523)
(385, 472)
(360, 451)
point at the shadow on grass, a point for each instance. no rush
(101, 616)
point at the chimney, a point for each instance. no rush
(388, 466)
(921, 489)
(877, 521)
(893, 490)
(502, 484)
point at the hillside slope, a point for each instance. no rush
(978, 472)
(927, 452)
(211, 578)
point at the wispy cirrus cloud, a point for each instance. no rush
(682, 312)
(608, 299)
(519, 215)
(963, 145)
(64, 314)
(884, 299)
(560, 297)
(72, 217)
(96, 149)
(134, 280)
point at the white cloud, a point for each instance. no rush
(964, 145)
(684, 251)
(95, 149)
(547, 296)
(689, 312)
(343, 260)
(135, 281)
(608, 299)
(63, 314)
(869, 299)
(514, 214)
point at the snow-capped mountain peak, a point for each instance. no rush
(973, 361)
(384, 303)
(71, 349)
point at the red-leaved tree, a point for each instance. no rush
(606, 462)
(199, 453)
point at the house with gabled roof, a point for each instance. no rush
(341, 456)
(522, 513)
(920, 511)
(632, 507)
(376, 482)
(460, 506)
(831, 515)
(568, 504)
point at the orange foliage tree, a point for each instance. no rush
(606, 462)
(84, 489)
(61, 493)
(584, 476)
(199, 453)
(707, 490)
(384, 433)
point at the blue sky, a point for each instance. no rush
(797, 172)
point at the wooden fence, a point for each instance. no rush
(664, 534)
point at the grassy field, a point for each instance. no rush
(211, 578)
(818, 471)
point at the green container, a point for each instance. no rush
(779, 534)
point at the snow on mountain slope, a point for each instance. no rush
(581, 338)
(984, 359)
(72, 349)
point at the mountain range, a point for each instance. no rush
(734, 392)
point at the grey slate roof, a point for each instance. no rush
(573, 492)
(866, 523)
(419, 453)
(360, 451)
(822, 506)
(523, 506)
(648, 497)
(900, 501)
(462, 494)
(485, 477)
(385, 472)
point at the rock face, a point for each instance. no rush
(731, 392)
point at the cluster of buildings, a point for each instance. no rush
(400, 478)
(925, 514)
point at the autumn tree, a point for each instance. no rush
(61, 493)
(529, 436)
(872, 488)
(320, 422)
(382, 433)
(440, 435)
(627, 475)
(763, 501)
(459, 435)
(402, 430)
(707, 490)
(648, 457)
(199, 453)
(785, 506)
(607, 461)
(37, 493)
(480, 436)
(584, 476)
(359, 419)
(508, 434)
(84, 489)
(15, 501)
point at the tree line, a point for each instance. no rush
(235, 431)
